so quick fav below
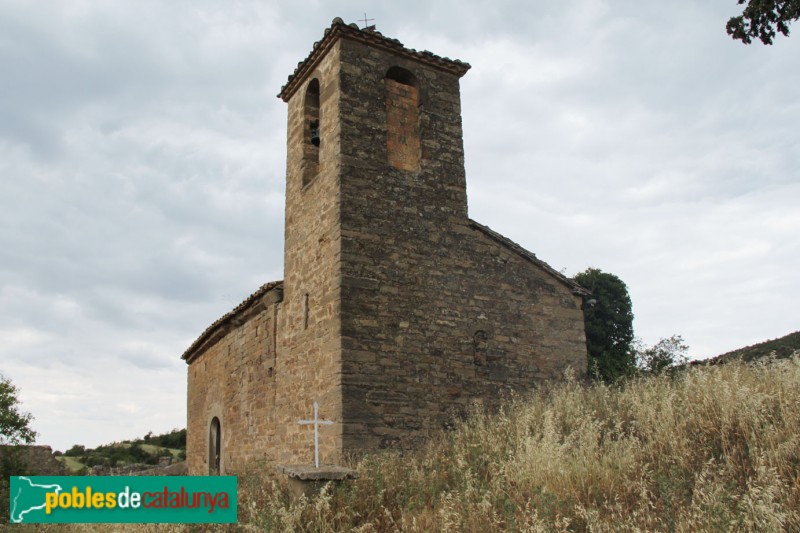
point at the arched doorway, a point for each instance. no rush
(214, 447)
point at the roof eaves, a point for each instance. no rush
(530, 256)
(370, 36)
(220, 327)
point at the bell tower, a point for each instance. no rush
(374, 134)
(375, 170)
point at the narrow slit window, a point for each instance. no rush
(305, 311)
(312, 138)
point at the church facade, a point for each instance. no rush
(397, 310)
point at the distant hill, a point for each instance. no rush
(781, 348)
(147, 450)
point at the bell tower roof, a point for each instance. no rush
(372, 37)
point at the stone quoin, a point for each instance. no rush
(396, 309)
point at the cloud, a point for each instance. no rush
(142, 155)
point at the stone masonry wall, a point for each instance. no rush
(309, 366)
(32, 460)
(235, 381)
(435, 313)
(307, 345)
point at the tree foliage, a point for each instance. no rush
(608, 318)
(76, 451)
(173, 439)
(15, 431)
(666, 354)
(146, 450)
(14, 425)
(762, 19)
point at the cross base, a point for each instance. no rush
(308, 480)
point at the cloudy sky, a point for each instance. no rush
(142, 164)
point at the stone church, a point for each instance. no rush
(397, 310)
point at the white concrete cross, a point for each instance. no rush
(316, 423)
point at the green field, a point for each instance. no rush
(146, 450)
(154, 450)
(72, 464)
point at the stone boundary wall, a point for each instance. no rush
(38, 460)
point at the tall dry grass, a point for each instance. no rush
(711, 449)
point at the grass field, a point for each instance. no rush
(711, 449)
(72, 464)
(706, 450)
(154, 450)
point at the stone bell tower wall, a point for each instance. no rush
(436, 312)
(309, 362)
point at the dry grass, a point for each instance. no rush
(712, 449)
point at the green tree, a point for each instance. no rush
(14, 424)
(664, 355)
(15, 431)
(76, 450)
(762, 19)
(608, 317)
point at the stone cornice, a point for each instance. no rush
(371, 37)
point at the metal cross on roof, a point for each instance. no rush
(365, 20)
(316, 423)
